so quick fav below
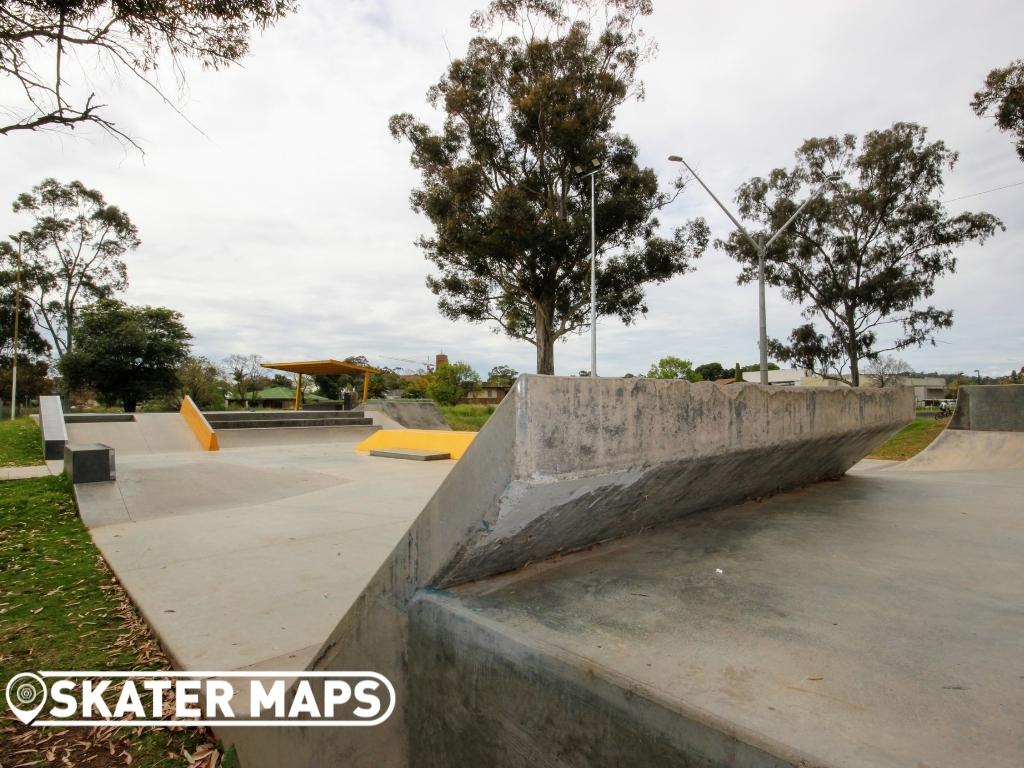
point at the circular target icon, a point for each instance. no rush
(26, 696)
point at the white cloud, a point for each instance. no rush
(287, 232)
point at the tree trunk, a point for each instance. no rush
(129, 404)
(545, 342)
(852, 349)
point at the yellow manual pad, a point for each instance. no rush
(443, 441)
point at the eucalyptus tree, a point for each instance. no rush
(71, 256)
(865, 254)
(528, 111)
(1003, 98)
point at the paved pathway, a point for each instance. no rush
(23, 473)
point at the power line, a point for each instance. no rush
(985, 192)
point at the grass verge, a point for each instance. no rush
(21, 445)
(468, 418)
(910, 440)
(62, 608)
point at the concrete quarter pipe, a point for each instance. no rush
(985, 432)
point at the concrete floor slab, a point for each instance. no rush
(246, 557)
(873, 621)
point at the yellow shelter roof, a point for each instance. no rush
(320, 367)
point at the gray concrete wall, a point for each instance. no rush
(991, 408)
(482, 696)
(565, 463)
(411, 414)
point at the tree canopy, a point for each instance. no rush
(245, 372)
(450, 382)
(47, 48)
(200, 379)
(864, 254)
(711, 371)
(888, 370)
(127, 354)
(526, 116)
(31, 344)
(1003, 98)
(71, 256)
(672, 367)
(503, 375)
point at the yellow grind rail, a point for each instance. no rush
(442, 441)
(199, 425)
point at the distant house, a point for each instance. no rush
(928, 390)
(272, 397)
(488, 394)
(787, 377)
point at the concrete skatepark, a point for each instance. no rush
(616, 572)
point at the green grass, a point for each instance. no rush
(466, 417)
(910, 440)
(61, 608)
(20, 443)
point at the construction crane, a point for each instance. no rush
(429, 366)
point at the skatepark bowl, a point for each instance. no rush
(615, 572)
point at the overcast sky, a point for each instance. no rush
(284, 229)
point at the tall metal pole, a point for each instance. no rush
(593, 277)
(762, 248)
(762, 322)
(17, 315)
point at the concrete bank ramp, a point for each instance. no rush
(145, 433)
(411, 414)
(986, 432)
(563, 464)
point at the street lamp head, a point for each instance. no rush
(578, 168)
(675, 158)
(595, 162)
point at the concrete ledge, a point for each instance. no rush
(51, 425)
(97, 418)
(258, 437)
(89, 463)
(411, 454)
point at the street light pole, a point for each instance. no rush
(593, 276)
(593, 264)
(761, 247)
(17, 315)
(762, 318)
